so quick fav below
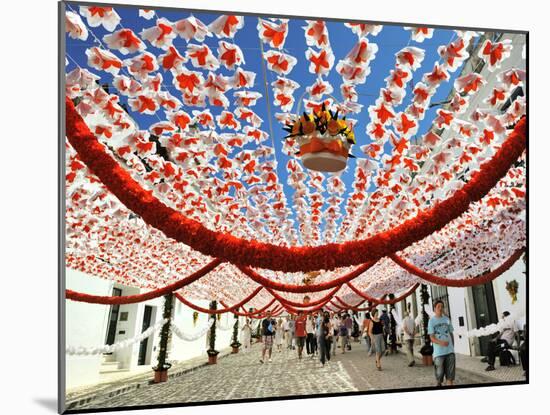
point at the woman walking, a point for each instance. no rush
(367, 322)
(343, 333)
(246, 335)
(311, 344)
(279, 335)
(376, 333)
(324, 338)
(335, 324)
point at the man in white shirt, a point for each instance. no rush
(409, 331)
(286, 329)
(504, 339)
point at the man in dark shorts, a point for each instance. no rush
(385, 319)
(440, 331)
(268, 332)
(300, 330)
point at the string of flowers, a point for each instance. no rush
(495, 327)
(90, 351)
(192, 337)
(225, 328)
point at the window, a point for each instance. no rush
(440, 293)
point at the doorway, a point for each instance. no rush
(113, 318)
(485, 311)
(147, 314)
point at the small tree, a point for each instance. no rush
(212, 344)
(427, 349)
(235, 340)
(393, 327)
(165, 333)
(259, 332)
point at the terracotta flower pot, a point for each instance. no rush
(234, 350)
(161, 376)
(212, 359)
(427, 360)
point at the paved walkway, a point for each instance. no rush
(242, 376)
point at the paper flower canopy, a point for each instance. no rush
(181, 108)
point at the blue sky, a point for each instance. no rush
(390, 40)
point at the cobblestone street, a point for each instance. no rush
(242, 376)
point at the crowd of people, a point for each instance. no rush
(323, 332)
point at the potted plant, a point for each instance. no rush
(161, 373)
(212, 356)
(161, 369)
(235, 343)
(212, 352)
(427, 350)
(258, 334)
(393, 327)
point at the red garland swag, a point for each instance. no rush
(464, 282)
(290, 259)
(382, 300)
(289, 305)
(138, 298)
(221, 310)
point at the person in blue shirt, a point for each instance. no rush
(440, 331)
(269, 326)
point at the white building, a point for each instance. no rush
(92, 325)
(479, 306)
(474, 307)
(95, 325)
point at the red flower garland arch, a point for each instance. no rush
(293, 288)
(221, 310)
(465, 282)
(303, 305)
(131, 299)
(382, 300)
(291, 259)
(253, 313)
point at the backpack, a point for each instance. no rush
(506, 358)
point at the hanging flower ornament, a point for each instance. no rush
(324, 139)
(512, 288)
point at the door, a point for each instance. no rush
(147, 313)
(113, 318)
(485, 311)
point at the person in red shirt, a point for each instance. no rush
(300, 330)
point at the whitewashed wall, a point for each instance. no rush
(128, 357)
(503, 299)
(86, 325)
(183, 318)
(458, 307)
